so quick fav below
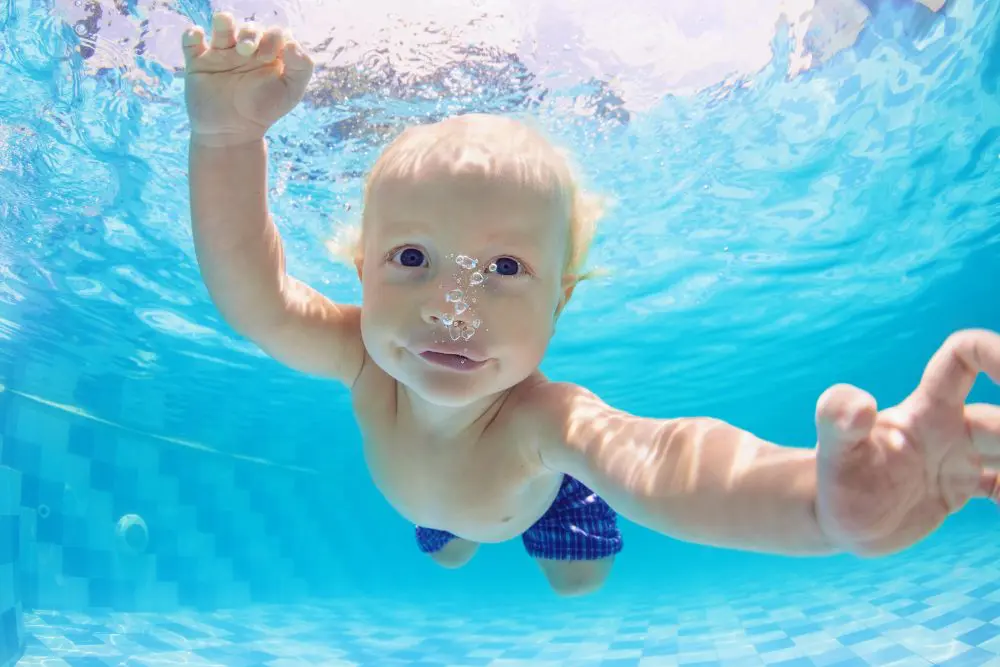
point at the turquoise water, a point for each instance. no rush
(772, 235)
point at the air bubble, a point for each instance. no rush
(476, 323)
(466, 262)
(461, 307)
(453, 296)
(132, 535)
(447, 319)
(468, 332)
(493, 267)
(454, 332)
(477, 278)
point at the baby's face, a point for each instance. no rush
(462, 281)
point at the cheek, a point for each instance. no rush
(523, 316)
(380, 304)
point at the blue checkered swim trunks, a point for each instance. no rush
(578, 526)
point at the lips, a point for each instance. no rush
(452, 360)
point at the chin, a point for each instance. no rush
(445, 399)
(449, 392)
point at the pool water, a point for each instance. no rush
(788, 215)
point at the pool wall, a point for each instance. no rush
(215, 531)
(11, 617)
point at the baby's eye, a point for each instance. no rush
(410, 257)
(506, 266)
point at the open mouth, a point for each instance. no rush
(456, 362)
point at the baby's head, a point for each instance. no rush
(474, 234)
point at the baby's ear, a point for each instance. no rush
(569, 283)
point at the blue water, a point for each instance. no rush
(772, 235)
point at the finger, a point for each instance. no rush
(989, 484)
(223, 31)
(983, 424)
(271, 44)
(845, 416)
(298, 65)
(246, 44)
(952, 370)
(193, 43)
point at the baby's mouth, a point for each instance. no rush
(457, 362)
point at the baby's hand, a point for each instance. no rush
(236, 89)
(888, 479)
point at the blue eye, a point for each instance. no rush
(507, 266)
(411, 257)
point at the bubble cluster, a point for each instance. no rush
(460, 329)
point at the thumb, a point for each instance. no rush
(845, 416)
(298, 66)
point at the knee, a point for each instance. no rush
(455, 554)
(576, 578)
(572, 588)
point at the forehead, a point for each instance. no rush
(458, 195)
(467, 202)
(473, 157)
(470, 180)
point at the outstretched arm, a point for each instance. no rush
(699, 480)
(878, 482)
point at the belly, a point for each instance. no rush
(479, 504)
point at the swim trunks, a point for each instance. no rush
(578, 526)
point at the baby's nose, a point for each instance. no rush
(444, 317)
(433, 314)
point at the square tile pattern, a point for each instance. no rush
(217, 531)
(940, 609)
(12, 634)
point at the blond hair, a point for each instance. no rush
(494, 147)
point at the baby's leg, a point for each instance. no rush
(456, 553)
(444, 548)
(575, 541)
(576, 577)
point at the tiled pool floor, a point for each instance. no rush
(942, 608)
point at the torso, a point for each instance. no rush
(485, 484)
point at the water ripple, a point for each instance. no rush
(768, 215)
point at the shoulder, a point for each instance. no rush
(550, 403)
(560, 418)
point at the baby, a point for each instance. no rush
(474, 235)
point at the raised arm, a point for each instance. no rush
(242, 263)
(234, 94)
